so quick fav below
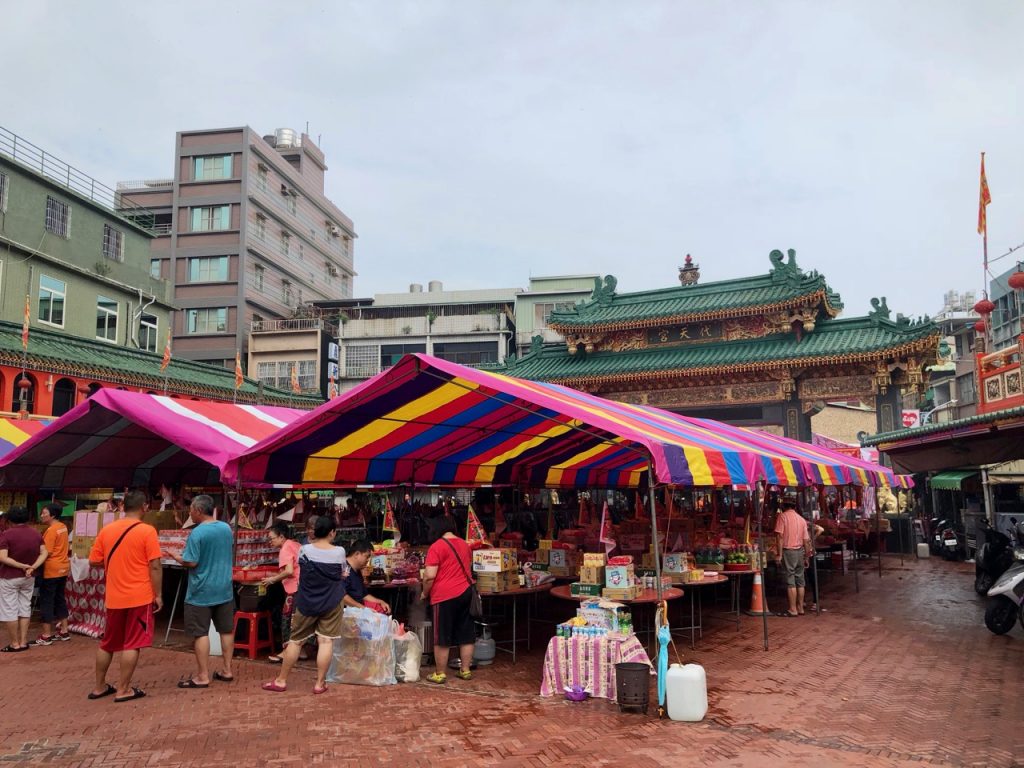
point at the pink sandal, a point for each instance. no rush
(273, 686)
(320, 690)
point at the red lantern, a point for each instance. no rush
(24, 383)
(984, 307)
(1016, 281)
(980, 326)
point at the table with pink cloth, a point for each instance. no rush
(588, 662)
(86, 599)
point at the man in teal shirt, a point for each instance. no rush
(208, 556)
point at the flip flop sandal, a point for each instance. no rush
(223, 678)
(137, 693)
(110, 689)
(318, 691)
(9, 649)
(190, 683)
(275, 660)
(273, 686)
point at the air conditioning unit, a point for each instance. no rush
(335, 232)
(332, 270)
(284, 190)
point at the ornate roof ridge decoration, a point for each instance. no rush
(67, 365)
(785, 287)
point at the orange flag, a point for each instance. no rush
(167, 352)
(984, 198)
(24, 325)
(295, 379)
(238, 370)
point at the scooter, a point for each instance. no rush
(936, 526)
(1006, 598)
(994, 556)
(954, 543)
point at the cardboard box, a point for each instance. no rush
(81, 545)
(626, 593)
(497, 581)
(558, 558)
(495, 560)
(675, 562)
(594, 558)
(544, 544)
(577, 589)
(542, 556)
(592, 574)
(619, 576)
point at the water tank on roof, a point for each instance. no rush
(415, 288)
(271, 139)
(286, 137)
(435, 286)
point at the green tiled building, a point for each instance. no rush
(767, 351)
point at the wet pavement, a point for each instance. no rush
(901, 673)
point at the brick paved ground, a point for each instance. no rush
(903, 673)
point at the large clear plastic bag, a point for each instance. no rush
(365, 652)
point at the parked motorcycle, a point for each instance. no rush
(935, 528)
(954, 543)
(994, 556)
(1006, 598)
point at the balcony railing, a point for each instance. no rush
(144, 184)
(36, 159)
(293, 324)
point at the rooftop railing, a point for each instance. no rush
(56, 170)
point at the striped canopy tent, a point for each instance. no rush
(14, 432)
(117, 439)
(821, 466)
(427, 421)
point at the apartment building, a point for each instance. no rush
(556, 293)
(245, 234)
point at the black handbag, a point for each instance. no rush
(476, 605)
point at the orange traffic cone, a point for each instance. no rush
(758, 603)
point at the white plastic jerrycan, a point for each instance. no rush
(686, 691)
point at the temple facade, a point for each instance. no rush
(766, 351)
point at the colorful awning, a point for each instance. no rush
(430, 422)
(117, 439)
(14, 432)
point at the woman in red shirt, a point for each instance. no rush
(447, 582)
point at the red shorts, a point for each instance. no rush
(128, 629)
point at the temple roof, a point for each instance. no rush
(834, 341)
(785, 286)
(62, 354)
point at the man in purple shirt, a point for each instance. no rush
(21, 552)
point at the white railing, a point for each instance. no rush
(293, 324)
(141, 184)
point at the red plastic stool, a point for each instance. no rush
(253, 644)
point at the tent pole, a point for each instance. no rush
(814, 552)
(856, 574)
(759, 499)
(878, 531)
(654, 528)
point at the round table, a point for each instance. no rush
(697, 617)
(515, 595)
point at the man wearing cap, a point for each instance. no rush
(794, 551)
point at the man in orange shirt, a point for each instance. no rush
(129, 551)
(794, 550)
(52, 608)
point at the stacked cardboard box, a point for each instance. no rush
(580, 589)
(624, 593)
(564, 563)
(85, 527)
(619, 576)
(496, 581)
(495, 560)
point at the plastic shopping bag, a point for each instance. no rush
(408, 655)
(79, 568)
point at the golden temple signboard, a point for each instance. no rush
(683, 334)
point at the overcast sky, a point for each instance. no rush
(479, 143)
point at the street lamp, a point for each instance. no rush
(927, 415)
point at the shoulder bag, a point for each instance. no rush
(117, 543)
(476, 605)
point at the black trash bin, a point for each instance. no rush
(632, 685)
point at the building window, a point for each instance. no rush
(362, 361)
(302, 256)
(154, 269)
(212, 167)
(468, 352)
(52, 294)
(211, 218)
(258, 274)
(965, 390)
(106, 319)
(286, 292)
(392, 353)
(213, 320)
(261, 226)
(113, 243)
(279, 374)
(4, 185)
(208, 269)
(147, 332)
(542, 312)
(58, 217)
(286, 243)
(261, 177)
